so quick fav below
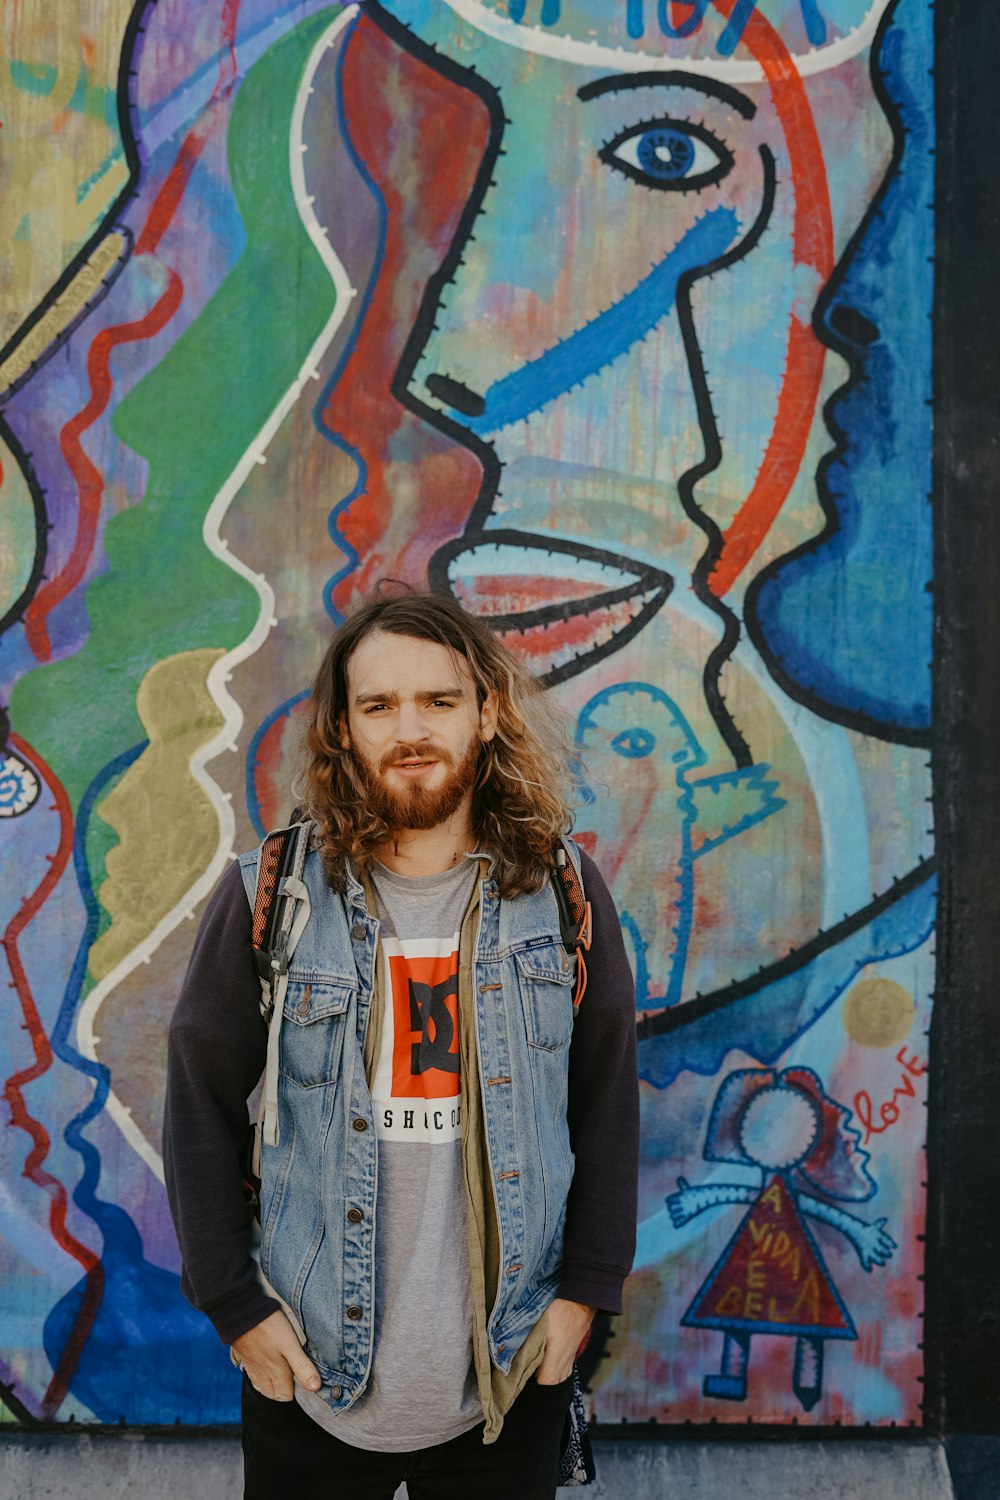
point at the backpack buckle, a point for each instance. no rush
(278, 958)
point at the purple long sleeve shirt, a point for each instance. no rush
(216, 1056)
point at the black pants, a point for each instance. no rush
(287, 1453)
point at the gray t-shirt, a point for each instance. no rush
(422, 1387)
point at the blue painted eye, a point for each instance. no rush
(633, 744)
(674, 155)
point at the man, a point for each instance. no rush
(422, 1219)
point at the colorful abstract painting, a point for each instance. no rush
(612, 319)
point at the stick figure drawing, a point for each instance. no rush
(771, 1277)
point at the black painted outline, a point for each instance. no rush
(126, 106)
(669, 78)
(68, 329)
(134, 28)
(646, 578)
(834, 339)
(424, 323)
(690, 1011)
(456, 394)
(962, 1309)
(686, 483)
(42, 528)
(22, 1416)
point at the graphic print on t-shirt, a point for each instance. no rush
(417, 1086)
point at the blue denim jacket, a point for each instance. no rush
(318, 1185)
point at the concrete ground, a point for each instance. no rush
(132, 1466)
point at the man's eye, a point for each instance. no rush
(678, 157)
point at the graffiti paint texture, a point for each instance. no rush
(610, 318)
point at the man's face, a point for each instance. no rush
(415, 727)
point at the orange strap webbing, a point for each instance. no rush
(575, 916)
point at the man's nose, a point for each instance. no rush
(411, 724)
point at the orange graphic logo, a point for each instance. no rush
(425, 1061)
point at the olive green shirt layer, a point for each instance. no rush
(497, 1391)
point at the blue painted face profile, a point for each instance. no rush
(872, 565)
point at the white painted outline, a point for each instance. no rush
(222, 670)
(621, 60)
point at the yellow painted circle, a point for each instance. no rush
(878, 1012)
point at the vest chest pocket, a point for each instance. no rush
(312, 1030)
(546, 980)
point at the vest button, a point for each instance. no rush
(359, 931)
(336, 1391)
(360, 1124)
(355, 1313)
(355, 1216)
(304, 1007)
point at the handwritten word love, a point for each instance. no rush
(889, 1111)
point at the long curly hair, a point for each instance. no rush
(521, 802)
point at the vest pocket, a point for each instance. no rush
(312, 1031)
(546, 980)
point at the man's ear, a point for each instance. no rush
(488, 718)
(345, 736)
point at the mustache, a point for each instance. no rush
(415, 752)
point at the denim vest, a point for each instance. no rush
(319, 1183)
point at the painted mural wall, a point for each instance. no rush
(611, 318)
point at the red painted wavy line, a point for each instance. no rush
(89, 480)
(90, 485)
(15, 1085)
(812, 239)
(227, 68)
(383, 87)
(168, 199)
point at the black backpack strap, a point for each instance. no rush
(575, 916)
(281, 855)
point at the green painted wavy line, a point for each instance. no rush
(193, 417)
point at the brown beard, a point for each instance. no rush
(418, 808)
